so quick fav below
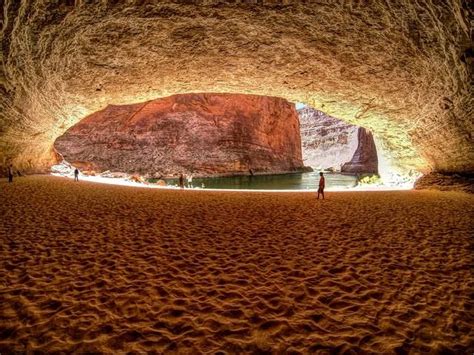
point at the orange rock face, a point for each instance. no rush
(203, 134)
(365, 157)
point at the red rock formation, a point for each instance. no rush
(206, 134)
(365, 157)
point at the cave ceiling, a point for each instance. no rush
(401, 68)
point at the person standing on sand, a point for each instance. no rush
(190, 181)
(181, 181)
(322, 184)
(10, 173)
(76, 174)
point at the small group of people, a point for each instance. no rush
(189, 179)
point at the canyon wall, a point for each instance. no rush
(329, 143)
(203, 134)
(364, 159)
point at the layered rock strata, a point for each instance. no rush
(203, 134)
(329, 143)
(446, 182)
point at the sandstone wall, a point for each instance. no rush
(327, 142)
(206, 134)
(365, 157)
(446, 182)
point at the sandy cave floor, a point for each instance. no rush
(92, 267)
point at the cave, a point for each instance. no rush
(401, 73)
(209, 135)
(97, 268)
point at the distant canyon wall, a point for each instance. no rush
(329, 143)
(365, 158)
(203, 134)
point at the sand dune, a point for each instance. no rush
(97, 268)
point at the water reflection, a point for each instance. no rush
(296, 181)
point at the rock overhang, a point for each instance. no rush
(399, 69)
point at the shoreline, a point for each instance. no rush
(125, 182)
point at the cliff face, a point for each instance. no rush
(206, 134)
(365, 157)
(327, 143)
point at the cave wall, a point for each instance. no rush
(203, 134)
(402, 69)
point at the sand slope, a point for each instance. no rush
(90, 267)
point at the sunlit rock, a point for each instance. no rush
(327, 142)
(203, 134)
(332, 144)
(365, 158)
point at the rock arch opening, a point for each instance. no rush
(210, 134)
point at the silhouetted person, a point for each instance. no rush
(10, 173)
(76, 174)
(322, 184)
(181, 181)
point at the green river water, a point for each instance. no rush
(295, 181)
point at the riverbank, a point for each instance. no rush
(239, 183)
(102, 268)
(274, 182)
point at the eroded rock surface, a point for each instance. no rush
(327, 142)
(365, 157)
(204, 134)
(400, 68)
(445, 182)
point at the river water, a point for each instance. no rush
(294, 181)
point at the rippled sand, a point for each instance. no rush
(88, 267)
